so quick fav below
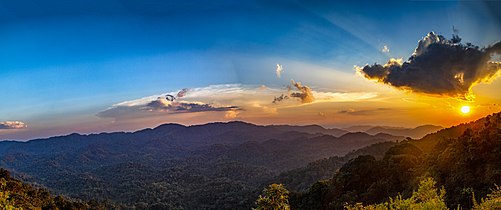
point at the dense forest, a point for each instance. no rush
(177, 167)
(212, 166)
(15, 195)
(427, 196)
(467, 166)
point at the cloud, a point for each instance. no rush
(385, 49)
(438, 66)
(227, 100)
(279, 70)
(162, 105)
(12, 125)
(307, 96)
(280, 98)
(231, 114)
(182, 92)
(179, 95)
(170, 97)
(159, 105)
(364, 112)
(266, 109)
(304, 94)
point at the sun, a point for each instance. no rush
(465, 109)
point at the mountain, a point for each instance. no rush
(464, 159)
(300, 179)
(174, 166)
(18, 195)
(415, 133)
(312, 129)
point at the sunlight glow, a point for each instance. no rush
(465, 109)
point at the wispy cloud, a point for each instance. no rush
(12, 125)
(306, 95)
(385, 49)
(365, 112)
(233, 100)
(279, 70)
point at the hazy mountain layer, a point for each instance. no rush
(217, 165)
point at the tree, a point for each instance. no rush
(426, 197)
(274, 197)
(493, 201)
(5, 202)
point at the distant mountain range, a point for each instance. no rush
(415, 133)
(176, 166)
(226, 165)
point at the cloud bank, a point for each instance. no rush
(231, 100)
(163, 104)
(12, 125)
(438, 66)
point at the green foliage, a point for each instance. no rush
(365, 179)
(5, 196)
(313, 199)
(213, 166)
(425, 198)
(468, 164)
(274, 197)
(16, 195)
(465, 160)
(493, 201)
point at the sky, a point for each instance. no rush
(122, 65)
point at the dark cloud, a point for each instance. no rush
(170, 97)
(194, 107)
(179, 95)
(438, 66)
(12, 125)
(280, 98)
(163, 105)
(182, 93)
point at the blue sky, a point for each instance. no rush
(61, 61)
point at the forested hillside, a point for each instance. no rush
(226, 165)
(15, 194)
(464, 159)
(217, 165)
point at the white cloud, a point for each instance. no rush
(385, 49)
(231, 114)
(279, 70)
(12, 125)
(234, 100)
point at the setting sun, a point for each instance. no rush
(465, 109)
